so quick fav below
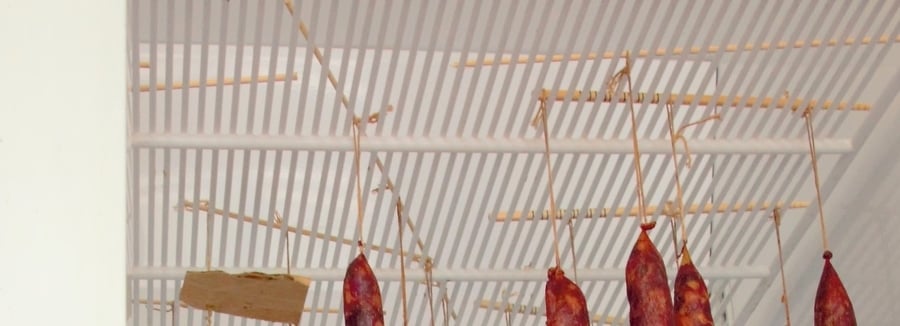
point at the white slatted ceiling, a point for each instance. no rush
(399, 54)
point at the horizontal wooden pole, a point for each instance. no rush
(529, 310)
(144, 64)
(712, 49)
(703, 100)
(215, 82)
(622, 212)
(204, 207)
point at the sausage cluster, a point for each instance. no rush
(833, 306)
(647, 285)
(565, 302)
(362, 296)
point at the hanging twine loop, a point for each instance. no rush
(676, 136)
(639, 177)
(776, 218)
(675, 215)
(679, 136)
(807, 115)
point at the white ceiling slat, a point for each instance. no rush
(186, 56)
(388, 95)
(273, 60)
(467, 261)
(238, 61)
(170, 31)
(745, 68)
(375, 71)
(154, 61)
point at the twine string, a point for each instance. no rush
(776, 217)
(679, 191)
(429, 290)
(572, 247)
(359, 203)
(209, 235)
(815, 167)
(626, 73)
(287, 242)
(403, 264)
(542, 111)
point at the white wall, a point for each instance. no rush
(62, 162)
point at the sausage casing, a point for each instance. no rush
(691, 295)
(833, 306)
(566, 305)
(362, 296)
(647, 285)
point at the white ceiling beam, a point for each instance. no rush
(457, 274)
(492, 145)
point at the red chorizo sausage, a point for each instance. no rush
(647, 285)
(565, 302)
(362, 296)
(833, 306)
(691, 295)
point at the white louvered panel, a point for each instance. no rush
(456, 144)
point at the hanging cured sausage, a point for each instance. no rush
(833, 306)
(565, 302)
(691, 295)
(647, 285)
(362, 296)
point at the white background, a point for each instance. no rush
(62, 162)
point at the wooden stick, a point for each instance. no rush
(144, 64)
(203, 206)
(704, 100)
(214, 82)
(523, 309)
(622, 212)
(712, 49)
(184, 305)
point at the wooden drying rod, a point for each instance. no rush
(522, 309)
(704, 100)
(144, 64)
(215, 82)
(712, 49)
(203, 206)
(184, 305)
(622, 212)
